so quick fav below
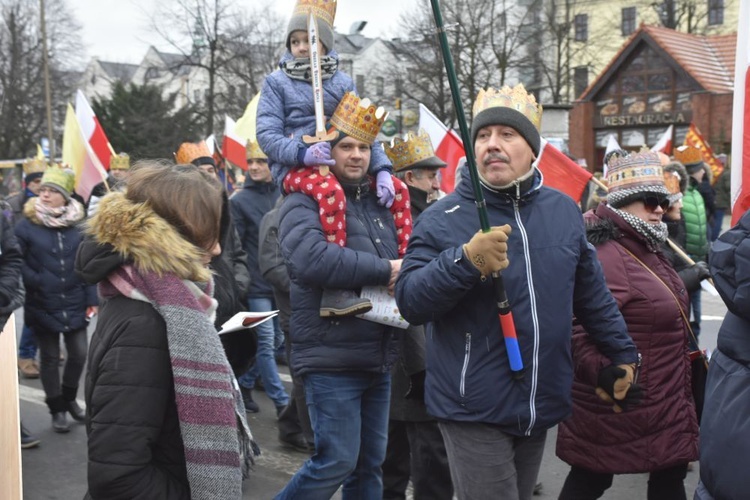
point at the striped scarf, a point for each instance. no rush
(217, 441)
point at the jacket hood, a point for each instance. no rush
(600, 231)
(133, 232)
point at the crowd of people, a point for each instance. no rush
(606, 308)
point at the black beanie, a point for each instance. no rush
(501, 115)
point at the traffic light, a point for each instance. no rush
(398, 103)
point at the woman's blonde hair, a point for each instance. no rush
(183, 195)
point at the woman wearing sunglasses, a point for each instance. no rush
(654, 429)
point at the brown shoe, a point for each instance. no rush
(28, 368)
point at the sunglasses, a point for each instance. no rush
(651, 202)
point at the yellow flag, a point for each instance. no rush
(73, 150)
(245, 127)
(39, 152)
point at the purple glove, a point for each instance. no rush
(318, 154)
(385, 190)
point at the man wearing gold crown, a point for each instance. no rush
(119, 169)
(344, 362)
(494, 421)
(33, 170)
(415, 450)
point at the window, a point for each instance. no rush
(361, 85)
(715, 12)
(580, 79)
(196, 95)
(628, 21)
(581, 24)
(379, 85)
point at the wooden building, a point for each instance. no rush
(660, 77)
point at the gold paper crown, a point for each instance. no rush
(253, 151)
(60, 176)
(189, 151)
(119, 162)
(358, 118)
(672, 181)
(515, 98)
(688, 155)
(405, 153)
(325, 10)
(34, 166)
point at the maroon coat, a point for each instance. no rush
(663, 430)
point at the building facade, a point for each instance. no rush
(660, 77)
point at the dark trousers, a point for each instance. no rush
(295, 419)
(416, 450)
(49, 352)
(665, 484)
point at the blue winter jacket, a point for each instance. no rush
(339, 344)
(56, 297)
(286, 112)
(725, 427)
(249, 205)
(553, 274)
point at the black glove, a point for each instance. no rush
(615, 385)
(416, 386)
(693, 275)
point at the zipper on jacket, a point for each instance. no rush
(534, 316)
(62, 268)
(467, 356)
(637, 369)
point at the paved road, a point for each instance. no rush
(57, 469)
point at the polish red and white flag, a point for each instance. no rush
(447, 144)
(233, 147)
(92, 130)
(78, 154)
(664, 144)
(562, 173)
(741, 119)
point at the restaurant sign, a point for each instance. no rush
(647, 119)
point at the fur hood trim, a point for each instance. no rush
(141, 236)
(600, 231)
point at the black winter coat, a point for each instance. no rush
(11, 262)
(56, 298)
(725, 427)
(129, 363)
(347, 343)
(249, 205)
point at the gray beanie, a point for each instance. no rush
(324, 12)
(501, 115)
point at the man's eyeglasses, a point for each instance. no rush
(651, 202)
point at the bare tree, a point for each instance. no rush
(22, 104)
(689, 16)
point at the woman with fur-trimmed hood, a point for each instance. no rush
(57, 301)
(654, 428)
(165, 417)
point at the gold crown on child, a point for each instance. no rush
(406, 152)
(325, 10)
(515, 98)
(358, 118)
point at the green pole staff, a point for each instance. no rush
(507, 325)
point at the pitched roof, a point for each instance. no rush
(119, 71)
(707, 60)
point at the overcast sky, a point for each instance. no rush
(116, 30)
